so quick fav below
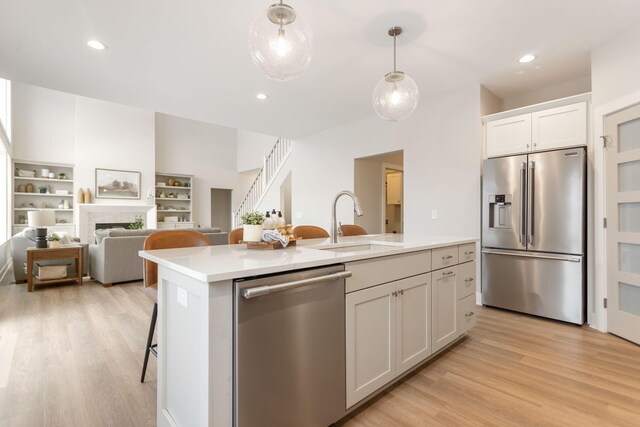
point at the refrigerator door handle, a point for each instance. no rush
(530, 196)
(522, 237)
(533, 255)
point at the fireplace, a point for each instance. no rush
(107, 225)
(88, 216)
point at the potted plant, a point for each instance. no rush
(43, 189)
(54, 240)
(62, 175)
(137, 224)
(252, 226)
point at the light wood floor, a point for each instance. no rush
(71, 356)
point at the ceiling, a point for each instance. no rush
(190, 58)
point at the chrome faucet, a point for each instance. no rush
(333, 234)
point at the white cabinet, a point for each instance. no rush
(467, 313)
(444, 304)
(559, 127)
(466, 279)
(167, 225)
(413, 321)
(394, 188)
(508, 136)
(370, 340)
(388, 331)
(551, 128)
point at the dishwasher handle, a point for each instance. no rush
(265, 290)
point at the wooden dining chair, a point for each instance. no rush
(166, 239)
(235, 236)
(310, 232)
(352, 230)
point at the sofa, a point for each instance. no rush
(114, 258)
(27, 239)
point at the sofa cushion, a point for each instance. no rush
(129, 233)
(209, 229)
(104, 232)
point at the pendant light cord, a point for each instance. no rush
(394, 51)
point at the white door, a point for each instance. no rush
(559, 127)
(444, 307)
(370, 340)
(413, 321)
(508, 136)
(623, 216)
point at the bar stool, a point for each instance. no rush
(352, 230)
(310, 232)
(166, 239)
(235, 236)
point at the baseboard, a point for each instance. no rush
(5, 269)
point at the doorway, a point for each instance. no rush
(221, 208)
(622, 167)
(371, 185)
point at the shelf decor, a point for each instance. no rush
(173, 195)
(117, 184)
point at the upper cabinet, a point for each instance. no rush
(538, 129)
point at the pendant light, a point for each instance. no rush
(395, 97)
(280, 42)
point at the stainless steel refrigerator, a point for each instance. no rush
(534, 234)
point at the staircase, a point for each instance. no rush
(270, 168)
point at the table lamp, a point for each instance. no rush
(40, 220)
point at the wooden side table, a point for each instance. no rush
(68, 252)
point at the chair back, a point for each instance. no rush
(310, 232)
(352, 230)
(169, 239)
(235, 236)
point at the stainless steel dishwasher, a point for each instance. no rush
(289, 349)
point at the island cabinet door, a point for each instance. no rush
(413, 321)
(370, 340)
(444, 307)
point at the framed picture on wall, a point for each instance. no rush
(117, 184)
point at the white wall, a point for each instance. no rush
(562, 90)
(43, 124)
(113, 136)
(252, 147)
(205, 150)
(442, 152)
(615, 67)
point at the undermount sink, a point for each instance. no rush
(360, 247)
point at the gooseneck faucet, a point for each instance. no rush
(333, 233)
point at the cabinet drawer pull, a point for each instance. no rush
(401, 291)
(447, 273)
(469, 314)
(394, 293)
(447, 257)
(468, 280)
(469, 252)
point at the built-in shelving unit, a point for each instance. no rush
(25, 201)
(174, 200)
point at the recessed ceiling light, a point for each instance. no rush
(526, 58)
(95, 44)
(261, 96)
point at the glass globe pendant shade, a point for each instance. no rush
(281, 43)
(395, 97)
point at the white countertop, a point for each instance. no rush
(217, 263)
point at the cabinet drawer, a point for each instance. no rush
(467, 316)
(467, 252)
(376, 271)
(444, 257)
(467, 281)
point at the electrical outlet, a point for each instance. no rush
(183, 297)
(434, 214)
(298, 215)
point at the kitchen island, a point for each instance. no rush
(402, 300)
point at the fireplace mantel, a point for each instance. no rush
(87, 215)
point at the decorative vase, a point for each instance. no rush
(29, 188)
(22, 188)
(80, 196)
(252, 233)
(87, 196)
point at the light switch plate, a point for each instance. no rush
(434, 214)
(183, 297)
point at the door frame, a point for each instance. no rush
(395, 167)
(598, 261)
